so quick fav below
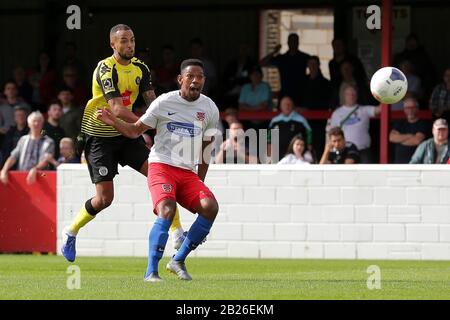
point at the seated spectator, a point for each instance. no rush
(11, 99)
(14, 133)
(317, 89)
(234, 149)
(354, 120)
(297, 153)
(256, 95)
(72, 116)
(407, 134)
(440, 98)
(289, 123)
(339, 151)
(67, 153)
(31, 151)
(52, 127)
(434, 150)
(414, 85)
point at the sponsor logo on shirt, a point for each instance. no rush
(184, 129)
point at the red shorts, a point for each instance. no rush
(181, 185)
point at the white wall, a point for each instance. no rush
(319, 212)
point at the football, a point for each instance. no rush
(388, 85)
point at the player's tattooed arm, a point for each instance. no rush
(148, 96)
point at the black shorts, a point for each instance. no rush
(104, 154)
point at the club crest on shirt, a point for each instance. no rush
(167, 187)
(200, 116)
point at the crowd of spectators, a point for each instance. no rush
(56, 95)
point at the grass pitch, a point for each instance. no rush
(45, 277)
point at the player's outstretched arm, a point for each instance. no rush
(119, 110)
(130, 130)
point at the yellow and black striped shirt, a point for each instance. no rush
(113, 80)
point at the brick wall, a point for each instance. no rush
(329, 212)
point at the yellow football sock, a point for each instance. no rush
(176, 224)
(80, 221)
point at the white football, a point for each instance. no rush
(388, 85)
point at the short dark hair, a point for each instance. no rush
(190, 62)
(118, 27)
(8, 82)
(54, 101)
(336, 131)
(64, 88)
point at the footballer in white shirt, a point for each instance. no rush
(185, 121)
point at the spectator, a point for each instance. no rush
(354, 120)
(289, 123)
(166, 73)
(197, 52)
(349, 79)
(231, 116)
(43, 80)
(420, 60)
(70, 80)
(67, 153)
(414, 85)
(52, 126)
(338, 150)
(292, 68)
(25, 90)
(234, 149)
(317, 89)
(31, 151)
(340, 54)
(7, 105)
(297, 152)
(434, 150)
(256, 95)
(14, 133)
(72, 116)
(237, 74)
(407, 134)
(440, 98)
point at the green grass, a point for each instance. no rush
(44, 277)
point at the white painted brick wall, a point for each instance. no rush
(299, 212)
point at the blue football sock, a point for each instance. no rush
(157, 240)
(198, 231)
